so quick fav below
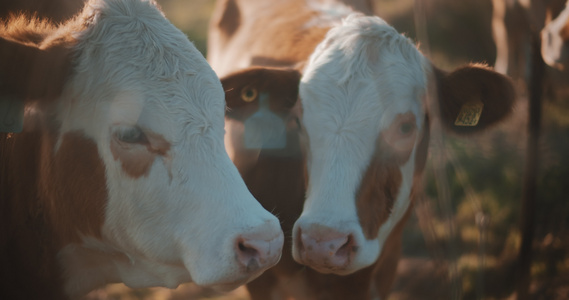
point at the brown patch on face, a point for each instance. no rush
(280, 84)
(385, 268)
(243, 90)
(74, 182)
(283, 24)
(382, 180)
(137, 158)
(377, 194)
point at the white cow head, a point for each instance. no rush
(141, 188)
(364, 96)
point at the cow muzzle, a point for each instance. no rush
(325, 249)
(258, 251)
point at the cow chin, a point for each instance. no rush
(232, 278)
(359, 262)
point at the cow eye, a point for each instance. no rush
(131, 135)
(248, 94)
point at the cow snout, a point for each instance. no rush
(258, 252)
(325, 249)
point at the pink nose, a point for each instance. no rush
(256, 252)
(325, 249)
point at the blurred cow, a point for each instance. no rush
(119, 173)
(555, 40)
(514, 22)
(366, 107)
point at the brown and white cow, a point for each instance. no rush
(120, 173)
(515, 23)
(555, 40)
(367, 108)
(273, 173)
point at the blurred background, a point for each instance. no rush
(463, 239)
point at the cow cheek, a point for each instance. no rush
(377, 195)
(78, 209)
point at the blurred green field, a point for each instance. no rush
(190, 16)
(465, 246)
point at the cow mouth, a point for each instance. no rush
(326, 267)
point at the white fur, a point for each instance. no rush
(180, 221)
(328, 13)
(554, 48)
(358, 79)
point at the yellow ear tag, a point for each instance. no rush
(469, 114)
(248, 94)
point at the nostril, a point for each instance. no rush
(248, 255)
(247, 250)
(324, 247)
(348, 247)
(256, 253)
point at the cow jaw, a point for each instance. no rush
(93, 263)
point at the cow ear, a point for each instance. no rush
(473, 98)
(246, 86)
(29, 73)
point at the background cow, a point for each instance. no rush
(515, 23)
(274, 175)
(120, 173)
(555, 39)
(367, 113)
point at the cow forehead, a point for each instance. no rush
(362, 75)
(359, 79)
(137, 70)
(190, 105)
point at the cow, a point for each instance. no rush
(112, 160)
(515, 23)
(555, 40)
(273, 173)
(367, 102)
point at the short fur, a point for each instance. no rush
(366, 105)
(120, 173)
